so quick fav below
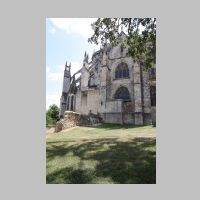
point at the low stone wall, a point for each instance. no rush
(59, 126)
(72, 119)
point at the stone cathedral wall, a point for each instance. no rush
(99, 99)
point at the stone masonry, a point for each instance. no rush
(72, 119)
(112, 85)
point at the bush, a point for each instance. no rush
(52, 115)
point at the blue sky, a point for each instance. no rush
(66, 40)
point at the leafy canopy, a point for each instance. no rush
(52, 114)
(140, 36)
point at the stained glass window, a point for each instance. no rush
(122, 93)
(122, 71)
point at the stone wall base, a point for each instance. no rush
(72, 119)
(127, 118)
(147, 120)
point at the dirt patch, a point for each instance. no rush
(50, 130)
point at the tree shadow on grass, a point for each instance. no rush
(118, 126)
(107, 127)
(122, 162)
(68, 175)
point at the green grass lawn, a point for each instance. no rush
(103, 154)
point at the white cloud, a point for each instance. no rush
(61, 67)
(52, 30)
(52, 99)
(75, 66)
(81, 26)
(55, 76)
(47, 69)
(58, 74)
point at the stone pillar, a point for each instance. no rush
(137, 94)
(67, 107)
(74, 103)
(69, 101)
(103, 79)
(146, 98)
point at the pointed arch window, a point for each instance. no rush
(122, 93)
(122, 71)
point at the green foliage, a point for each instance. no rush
(140, 36)
(52, 115)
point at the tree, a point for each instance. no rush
(52, 114)
(140, 36)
